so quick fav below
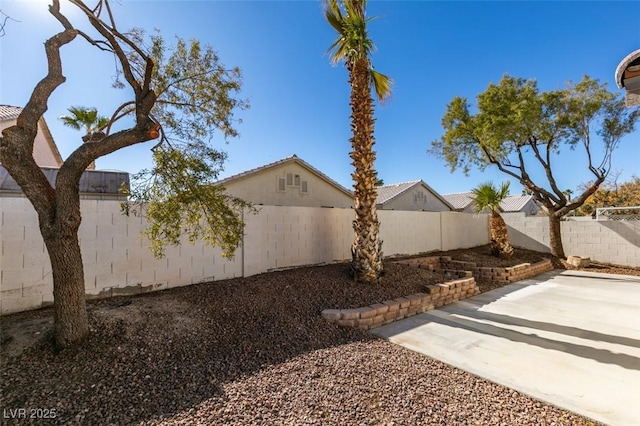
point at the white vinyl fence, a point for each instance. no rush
(118, 261)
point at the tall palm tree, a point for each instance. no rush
(487, 197)
(354, 47)
(87, 119)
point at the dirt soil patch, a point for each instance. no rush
(249, 351)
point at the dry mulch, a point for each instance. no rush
(251, 351)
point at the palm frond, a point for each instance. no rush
(80, 118)
(487, 196)
(381, 84)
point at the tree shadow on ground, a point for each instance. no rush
(159, 354)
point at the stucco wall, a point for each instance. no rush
(419, 198)
(607, 241)
(118, 261)
(262, 188)
(464, 230)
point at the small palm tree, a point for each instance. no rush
(354, 47)
(86, 119)
(487, 197)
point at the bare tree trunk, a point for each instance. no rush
(555, 236)
(70, 318)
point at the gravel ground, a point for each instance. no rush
(250, 351)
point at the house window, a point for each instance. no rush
(290, 179)
(304, 187)
(281, 184)
(296, 180)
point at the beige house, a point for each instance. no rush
(94, 184)
(414, 195)
(288, 182)
(45, 151)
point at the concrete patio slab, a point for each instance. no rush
(568, 338)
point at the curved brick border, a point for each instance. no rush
(402, 307)
(439, 294)
(498, 275)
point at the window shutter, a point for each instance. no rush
(290, 179)
(296, 180)
(304, 187)
(281, 184)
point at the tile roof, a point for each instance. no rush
(387, 193)
(459, 200)
(8, 112)
(511, 203)
(292, 158)
(515, 203)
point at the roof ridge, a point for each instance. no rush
(401, 183)
(293, 157)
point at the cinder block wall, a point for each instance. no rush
(282, 237)
(118, 261)
(606, 241)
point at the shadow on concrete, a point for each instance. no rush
(546, 326)
(471, 318)
(469, 321)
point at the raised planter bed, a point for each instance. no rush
(497, 275)
(392, 310)
(464, 285)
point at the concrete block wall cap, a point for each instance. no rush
(403, 301)
(331, 314)
(367, 312)
(392, 304)
(414, 300)
(380, 308)
(433, 289)
(349, 314)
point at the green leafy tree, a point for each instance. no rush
(183, 99)
(515, 125)
(488, 197)
(87, 119)
(354, 47)
(612, 194)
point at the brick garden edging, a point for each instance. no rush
(402, 307)
(498, 275)
(439, 294)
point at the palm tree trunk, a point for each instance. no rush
(499, 236)
(555, 233)
(366, 248)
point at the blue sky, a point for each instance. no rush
(299, 102)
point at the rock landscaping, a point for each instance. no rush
(250, 351)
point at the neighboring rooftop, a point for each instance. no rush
(515, 203)
(459, 200)
(44, 143)
(8, 112)
(292, 158)
(387, 193)
(511, 203)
